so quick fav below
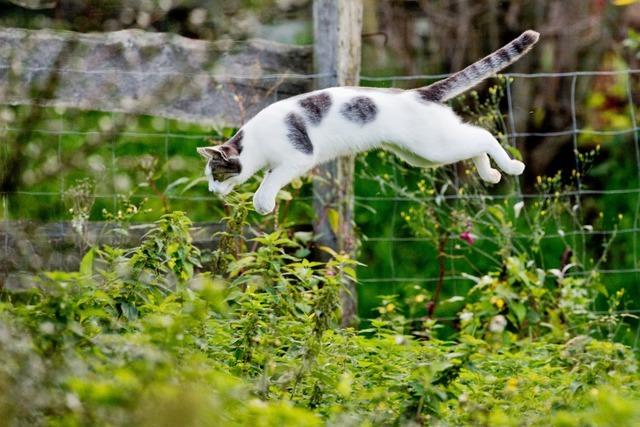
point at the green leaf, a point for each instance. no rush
(194, 183)
(86, 265)
(328, 250)
(497, 212)
(296, 184)
(176, 183)
(302, 252)
(334, 220)
(129, 311)
(284, 195)
(351, 272)
(519, 310)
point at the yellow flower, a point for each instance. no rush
(497, 301)
(419, 298)
(390, 308)
(511, 386)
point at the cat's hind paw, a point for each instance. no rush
(516, 167)
(492, 176)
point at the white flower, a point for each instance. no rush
(73, 402)
(466, 316)
(517, 208)
(257, 403)
(556, 273)
(47, 328)
(485, 281)
(497, 324)
(400, 340)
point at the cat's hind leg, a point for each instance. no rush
(502, 159)
(486, 172)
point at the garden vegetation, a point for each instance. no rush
(165, 333)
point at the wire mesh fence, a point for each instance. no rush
(395, 258)
(620, 273)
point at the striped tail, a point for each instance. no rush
(464, 80)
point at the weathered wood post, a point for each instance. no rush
(337, 40)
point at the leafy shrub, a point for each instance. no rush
(145, 336)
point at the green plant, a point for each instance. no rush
(167, 249)
(144, 336)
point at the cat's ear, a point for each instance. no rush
(228, 151)
(209, 152)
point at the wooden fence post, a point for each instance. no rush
(337, 40)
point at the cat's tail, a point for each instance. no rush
(464, 80)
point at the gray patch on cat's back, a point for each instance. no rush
(361, 110)
(316, 107)
(433, 93)
(297, 133)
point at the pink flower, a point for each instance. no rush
(468, 237)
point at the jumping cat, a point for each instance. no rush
(290, 137)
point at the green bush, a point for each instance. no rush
(162, 334)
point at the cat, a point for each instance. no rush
(291, 136)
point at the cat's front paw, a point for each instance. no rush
(263, 205)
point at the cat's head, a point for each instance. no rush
(223, 161)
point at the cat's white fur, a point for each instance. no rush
(420, 132)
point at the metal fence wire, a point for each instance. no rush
(167, 139)
(628, 274)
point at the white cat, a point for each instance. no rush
(291, 136)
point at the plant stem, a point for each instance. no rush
(442, 243)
